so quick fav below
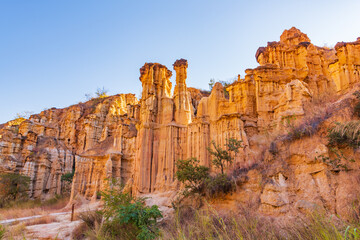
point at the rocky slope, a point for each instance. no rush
(138, 142)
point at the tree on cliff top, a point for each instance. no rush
(20, 117)
(100, 93)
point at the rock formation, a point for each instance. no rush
(138, 142)
(50, 144)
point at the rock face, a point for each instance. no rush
(138, 142)
(52, 143)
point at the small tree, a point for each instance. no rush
(191, 173)
(101, 93)
(20, 117)
(13, 187)
(225, 85)
(221, 157)
(68, 177)
(211, 83)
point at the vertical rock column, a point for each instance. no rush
(346, 70)
(182, 98)
(156, 109)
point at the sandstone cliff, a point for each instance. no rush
(50, 144)
(138, 142)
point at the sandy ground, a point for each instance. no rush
(60, 229)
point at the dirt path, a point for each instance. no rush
(61, 228)
(13, 220)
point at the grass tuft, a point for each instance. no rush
(343, 134)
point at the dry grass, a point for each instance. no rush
(209, 224)
(10, 213)
(345, 133)
(14, 232)
(41, 220)
(32, 207)
(80, 231)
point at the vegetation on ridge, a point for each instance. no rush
(99, 93)
(20, 117)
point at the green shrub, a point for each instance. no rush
(197, 178)
(218, 185)
(122, 209)
(13, 187)
(122, 217)
(141, 216)
(68, 177)
(190, 173)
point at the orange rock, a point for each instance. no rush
(139, 142)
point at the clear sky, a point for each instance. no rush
(54, 52)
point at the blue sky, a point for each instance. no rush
(54, 52)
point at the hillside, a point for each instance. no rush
(281, 111)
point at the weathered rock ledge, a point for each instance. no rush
(139, 141)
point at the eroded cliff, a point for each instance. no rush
(138, 142)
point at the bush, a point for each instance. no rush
(122, 209)
(357, 105)
(13, 187)
(122, 217)
(218, 185)
(190, 173)
(68, 177)
(100, 93)
(197, 178)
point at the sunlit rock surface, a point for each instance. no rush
(138, 142)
